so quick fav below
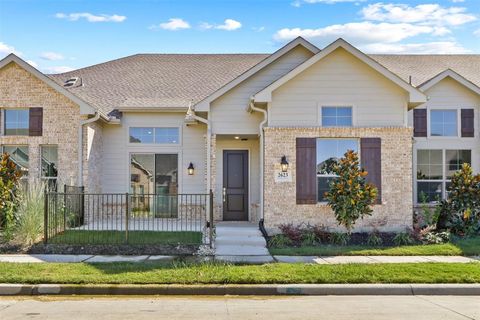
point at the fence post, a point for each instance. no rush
(45, 217)
(126, 216)
(82, 205)
(211, 218)
(64, 207)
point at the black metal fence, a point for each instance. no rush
(78, 218)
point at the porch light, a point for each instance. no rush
(191, 169)
(284, 164)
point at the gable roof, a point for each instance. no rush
(167, 81)
(299, 41)
(85, 108)
(449, 73)
(416, 96)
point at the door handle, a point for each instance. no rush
(224, 194)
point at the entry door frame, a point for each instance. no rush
(248, 177)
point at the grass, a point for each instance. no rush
(465, 247)
(83, 237)
(214, 273)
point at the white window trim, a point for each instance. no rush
(337, 105)
(429, 122)
(42, 177)
(4, 122)
(179, 143)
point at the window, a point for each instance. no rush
(50, 166)
(328, 153)
(153, 181)
(154, 135)
(434, 171)
(19, 155)
(336, 116)
(443, 123)
(16, 122)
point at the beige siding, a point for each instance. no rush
(117, 150)
(339, 79)
(449, 94)
(228, 113)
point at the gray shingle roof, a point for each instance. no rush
(173, 80)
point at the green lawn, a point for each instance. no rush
(209, 273)
(82, 237)
(464, 247)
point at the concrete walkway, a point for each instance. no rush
(253, 259)
(240, 242)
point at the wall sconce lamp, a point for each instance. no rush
(284, 164)
(191, 169)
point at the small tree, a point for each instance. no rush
(461, 211)
(350, 196)
(9, 177)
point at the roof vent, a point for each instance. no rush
(72, 82)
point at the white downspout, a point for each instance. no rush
(262, 162)
(80, 146)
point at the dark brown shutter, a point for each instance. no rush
(306, 170)
(371, 161)
(36, 122)
(468, 123)
(420, 122)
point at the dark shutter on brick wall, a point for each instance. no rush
(468, 123)
(420, 122)
(371, 161)
(36, 122)
(306, 170)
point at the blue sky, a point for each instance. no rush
(59, 35)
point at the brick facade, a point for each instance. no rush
(20, 89)
(395, 212)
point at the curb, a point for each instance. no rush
(268, 289)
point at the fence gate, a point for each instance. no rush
(77, 218)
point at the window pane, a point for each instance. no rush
(429, 191)
(323, 186)
(142, 173)
(141, 135)
(429, 165)
(17, 122)
(166, 135)
(443, 123)
(49, 161)
(336, 116)
(455, 159)
(19, 155)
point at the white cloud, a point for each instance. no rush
(298, 3)
(358, 32)
(458, 1)
(91, 17)
(439, 47)
(477, 32)
(228, 25)
(424, 14)
(32, 63)
(57, 69)
(173, 24)
(5, 50)
(51, 56)
(258, 29)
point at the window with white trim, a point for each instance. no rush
(435, 168)
(443, 123)
(329, 151)
(337, 117)
(49, 166)
(16, 122)
(19, 156)
(154, 135)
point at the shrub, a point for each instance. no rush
(339, 238)
(9, 178)
(279, 241)
(29, 227)
(309, 238)
(350, 196)
(460, 213)
(403, 239)
(436, 237)
(428, 214)
(294, 233)
(321, 233)
(374, 239)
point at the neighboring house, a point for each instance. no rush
(136, 124)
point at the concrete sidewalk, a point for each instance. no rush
(41, 258)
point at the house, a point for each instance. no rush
(257, 129)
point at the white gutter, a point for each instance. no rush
(262, 162)
(80, 146)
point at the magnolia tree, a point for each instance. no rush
(9, 177)
(350, 196)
